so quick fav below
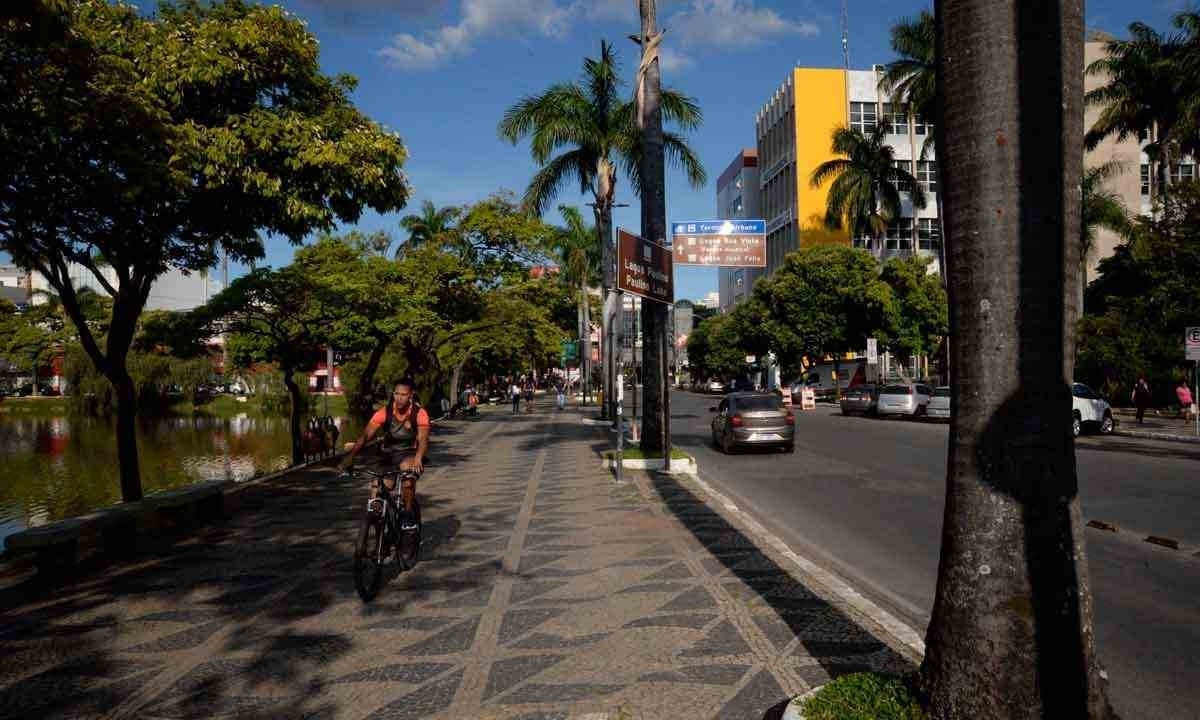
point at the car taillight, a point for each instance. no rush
(736, 421)
(790, 419)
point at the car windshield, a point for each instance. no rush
(758, 402)
(898, 390)
(942, 392)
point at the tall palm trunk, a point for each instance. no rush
(297, 410)
(1011, 634)
(607, 284)
(585, 341)
(656, 402)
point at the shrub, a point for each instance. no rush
(864, 696)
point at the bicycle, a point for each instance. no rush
(380, 534)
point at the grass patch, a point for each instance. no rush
(863, 696)
(35, 406)
(635, 452)
(228, 406)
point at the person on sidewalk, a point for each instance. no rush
(1141, 397)
(514, 393)
(560, 396)
(405, 426)
(529, 395)
(1184, 394)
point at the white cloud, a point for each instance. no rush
(733, 23)
(673, 60)
(722, 23)
(479, 18)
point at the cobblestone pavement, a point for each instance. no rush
(545, 590)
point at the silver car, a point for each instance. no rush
(910, 399)
(939, 404)
(753, 419)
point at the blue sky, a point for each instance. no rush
(442, 72)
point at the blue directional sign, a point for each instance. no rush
(719, 227)
(720, 243)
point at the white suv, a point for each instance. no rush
(1090, 410)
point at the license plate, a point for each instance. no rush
(765, 436)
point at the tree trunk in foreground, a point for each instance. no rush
(1011, 635)
(127, 453)
(364, 399)
(655, 408)
(296, 411)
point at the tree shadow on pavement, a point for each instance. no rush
(821, 640)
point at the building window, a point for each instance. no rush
(921, 126)
(737, 204)
(1183, 173)
(897, 116)
(929, 234)
(927, 175)
(859, 242)
(899, 234)
(863, 117)
(1145, 180)
(906, 166)
(738, 183)
(739, 278)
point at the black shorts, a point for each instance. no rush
(393, 456)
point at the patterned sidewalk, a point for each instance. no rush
(545, 591)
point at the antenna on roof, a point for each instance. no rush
(845, 35)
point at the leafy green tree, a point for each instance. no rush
(1140, 304)
(598, 131)
(826, 299)
(865, 194)
(274, 316)
(139, 143)
(921, 315)
(714, 348)
(433, 225)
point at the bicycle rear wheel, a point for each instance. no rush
(368, 563)
(409, 546)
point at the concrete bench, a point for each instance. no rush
(192, 503)
(55, 546)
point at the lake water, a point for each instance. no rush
(55, 468)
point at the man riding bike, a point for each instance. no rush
(405, 426)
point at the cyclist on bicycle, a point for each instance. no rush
(405, 426)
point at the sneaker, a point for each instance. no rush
(408, 522)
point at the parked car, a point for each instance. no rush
(910, 399)
(939, 404)
(753, 419)
(1090, 411)
(716, 387)
(862, 399)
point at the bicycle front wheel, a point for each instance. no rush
(368, 561)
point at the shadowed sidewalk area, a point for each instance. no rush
(544, 591)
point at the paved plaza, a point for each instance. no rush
(545, 590)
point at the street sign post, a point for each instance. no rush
(644, 268)
(1191, 344)
(720, 243)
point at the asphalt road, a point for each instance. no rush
(864, 497)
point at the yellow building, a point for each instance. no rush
(794, 132)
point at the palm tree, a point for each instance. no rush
(431, 226)
(1143, 96)
(865, 195)
(580, 258)
(597, 130)
(911, 80)
(1011, 632)
(1099, 208)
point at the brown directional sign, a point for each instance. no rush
(644, 268)
(728, 243)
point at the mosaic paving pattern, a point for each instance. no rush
(545, 591)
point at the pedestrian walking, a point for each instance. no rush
(514, 392)
(1141, 397)
(529, 395)
(1183, 393)
(560, 398)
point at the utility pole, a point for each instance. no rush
(656, 429)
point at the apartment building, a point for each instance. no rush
(794, 132)
(738, 197)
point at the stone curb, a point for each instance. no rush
(1151, 435)
(793, 711)
(679, 466)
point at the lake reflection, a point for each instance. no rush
(54, 468)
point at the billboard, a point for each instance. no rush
(720, 243)
(644, 268)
